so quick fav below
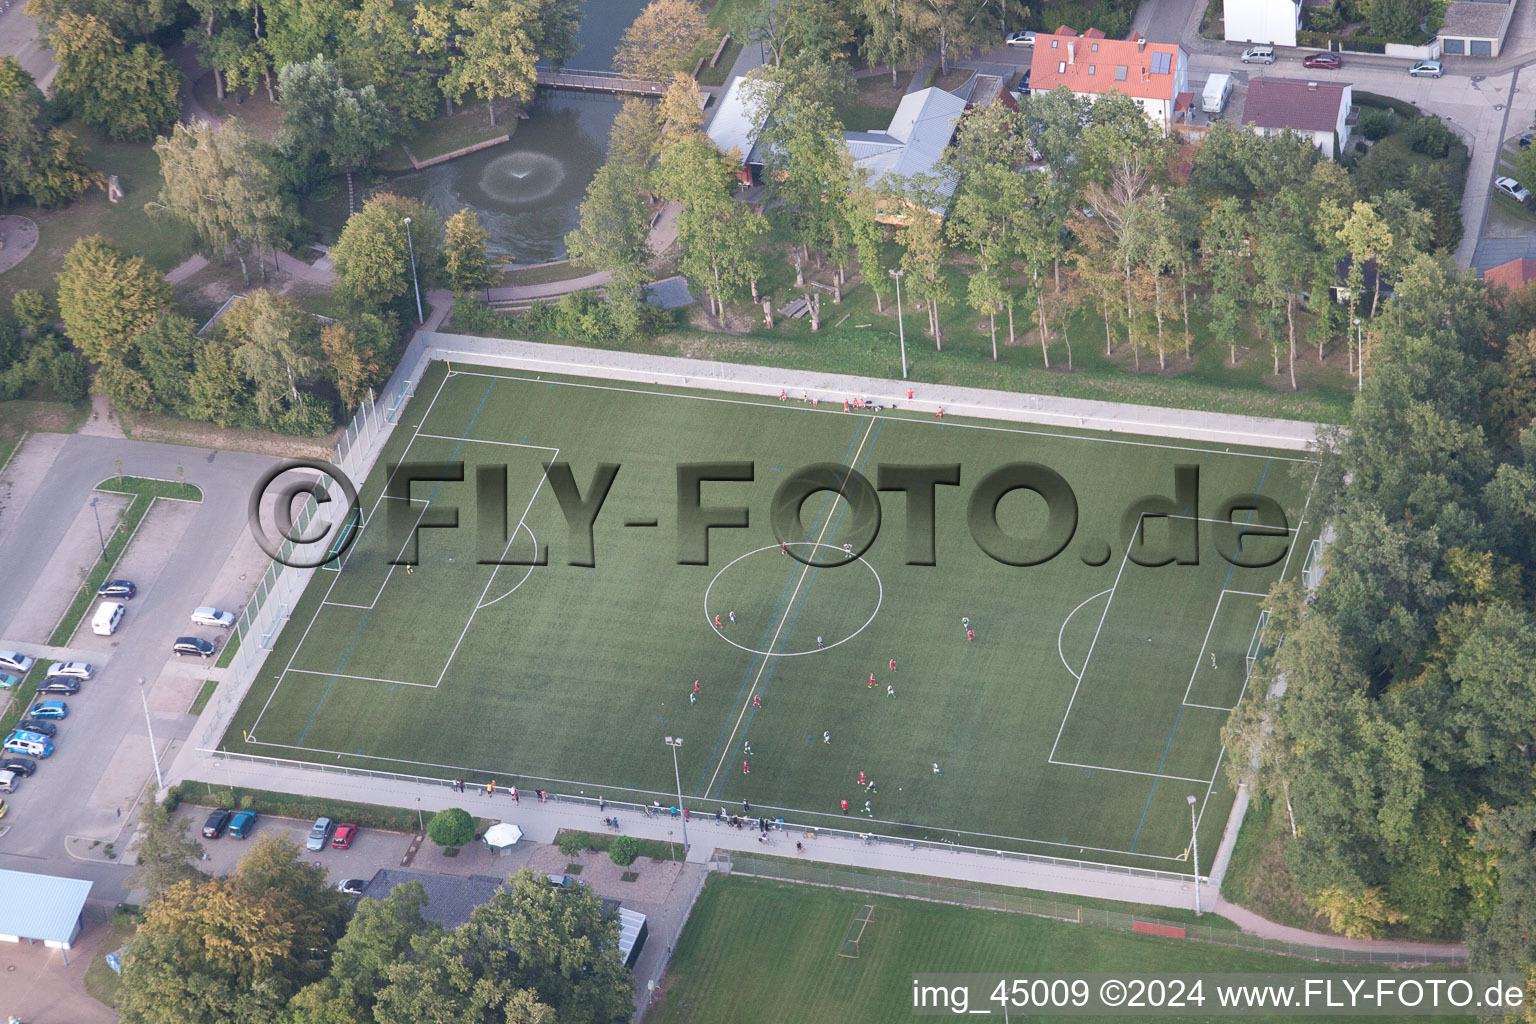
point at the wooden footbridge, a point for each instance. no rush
(598, 81)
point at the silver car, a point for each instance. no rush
(71, 670)
(212, 617)
(1426, 69)
(319, 834)
(15, 661)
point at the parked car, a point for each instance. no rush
(1512, 188)
(1322, 60)
(559, 881)
(1259, 55)
(49, 709)
(60, 684)
(241, 824)
(318, 834)
(1020, 39)
(345, 833)
(15, 661)
(41, 726)
(217, 822)
(352, 886)
(9, 682)
(193, 645)
(29, 743)
(212, 617)
(1525, 141)
(118, 588)
(23, 766)
(71, 669)
(1426, 69)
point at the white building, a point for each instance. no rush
(1320, 111)
(1261, 21)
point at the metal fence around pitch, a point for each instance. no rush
(937, 891)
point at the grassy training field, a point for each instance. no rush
(755, 950)
(1085, 711)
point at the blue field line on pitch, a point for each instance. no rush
(807, 592)
(361, 625)
(1180, 715)
(771, 620)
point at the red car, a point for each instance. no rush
(345, 833)
(1322, 60)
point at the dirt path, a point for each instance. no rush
(103, 422)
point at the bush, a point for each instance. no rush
(1430, 136)
(1321, 19)
(572, 843)
(623, 851)
(1377, 124)
(34, 310)
(452, 826)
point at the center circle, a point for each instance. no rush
(772, 609)
(522, 177)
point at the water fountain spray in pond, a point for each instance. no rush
(522, 177)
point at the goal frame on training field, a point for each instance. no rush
(861, 920)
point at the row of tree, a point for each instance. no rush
(1401, 746)
(274, 941)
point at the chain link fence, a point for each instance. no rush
(867, 881)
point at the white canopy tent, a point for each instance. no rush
(502, 835)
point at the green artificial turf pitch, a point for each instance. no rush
(567, 678)
(755, 950)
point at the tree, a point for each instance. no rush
(107, 298)
(276, 348)
(452, 826)
(165, 852)
(373, 254)
(614, 229)
(380, 934)
(1368, 239)
(624, 850)
(494, 51)
(659, 40)
(166, 355)
(806, 156)
(718, 235)
(1399, 20)
(233, 949)
(35, 311)
(922, 258)
(950, 27)
(382, 52)
(681, 110)
(327, 125)
(131, 92)
(888, 39)
(466, 260)
(636, 131)
(141, 18)
(1224, 251)
(36, 159)
(353, 362)
(216, 181)
(861, 208)
(216, 392)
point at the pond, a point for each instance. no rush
(527, 191)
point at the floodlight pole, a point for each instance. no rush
(153, 753)
(99, 537)
(1360, 349)
(420, 317)
(901, 326)
(674, 743)
(1194, 844)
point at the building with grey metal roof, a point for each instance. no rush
(41, 908)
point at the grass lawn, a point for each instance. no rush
(261, 116)
(1087, 708)
(22, 696)
(18, 417)
(544, 275)
(162, 241)
(290, 805)
(101, 982)
(872, 104)
(145, 494)
(755, 950)
(203, 696)
(467, 125)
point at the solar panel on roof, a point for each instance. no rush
(1161, 63)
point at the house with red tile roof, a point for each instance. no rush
(1508, 277)
(1089, 65)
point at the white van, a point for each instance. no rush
(108, 615)
(29, 743)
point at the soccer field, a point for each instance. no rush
(1084, 712)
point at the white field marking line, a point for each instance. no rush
(1310, 492)
(369, 679)
(1245, 593)
(403, 497)
(1124, 559)
(1126, 771)
(729, 750)
(805, 813)
(1209, 786)
(478, 440)
(336, 577)
(521, 525)
(766, 404)
(1223, 522)
(1203, 645)
(343, 604)
(396, 563)
(1207, 707)
(1062, 631)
